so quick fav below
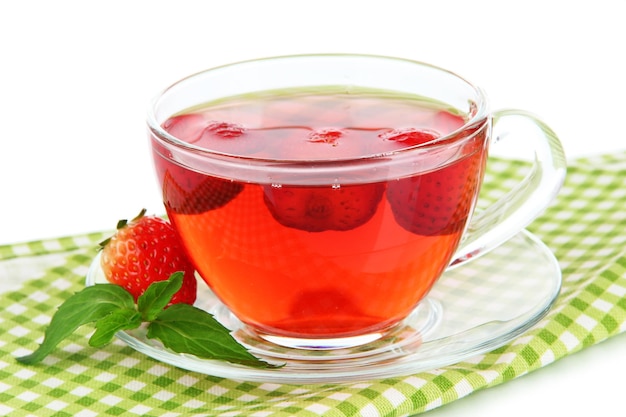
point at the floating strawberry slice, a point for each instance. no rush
(225, 130)
(438, 202)
(218, 136)
(322, 143)
(189, 192)
(408, 137)
(316, 209)
(328, 135)
(192, 126)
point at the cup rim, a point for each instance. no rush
(343, 167)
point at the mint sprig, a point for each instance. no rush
(180, 327)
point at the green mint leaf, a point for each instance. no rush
(107, 326)
(187, 329)
(180, 327)
(158, 295)
(87, 306)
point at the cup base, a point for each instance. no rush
(408, 334)
(321, 343)
(479, 307)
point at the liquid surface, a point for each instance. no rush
(329, 260)
(300, 126)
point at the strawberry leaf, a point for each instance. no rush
(187, 329)
(107, 326)
(158, 295)
(87, 306)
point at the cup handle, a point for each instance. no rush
(529, 198)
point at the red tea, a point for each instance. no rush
(321, 258)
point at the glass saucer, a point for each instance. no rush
(473, 308)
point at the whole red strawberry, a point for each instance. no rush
(145, 250)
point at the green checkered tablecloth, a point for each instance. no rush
(585, 229)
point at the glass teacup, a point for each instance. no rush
(321, 197)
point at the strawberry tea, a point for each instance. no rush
(322, 258)
(322, 196)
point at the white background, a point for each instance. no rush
(76, 78)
